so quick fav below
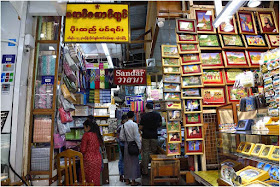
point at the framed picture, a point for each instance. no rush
(187, 38)
(170, 62)
(212, 60)
(213, 77)
(172, 70)
(254, 58)
(169, 51)
(235, 94)
(209, 42)
(231, 75)
(173, 149)
(266, 151)
(174, 137)
(173, 126)
(255, 42)
(188, 70)
(193, 132)
(174, 115)
(192, 105)
(171, 87)
(274, 153)
(240, 147)
(190, 59)
(194, 147)
(231, 41)
(248, 148)
(184, 25)
(267, 22)
(188, 48)
(221, 28)
(246, 22)
(172, 78)
(173, 105)
(213, 96)
(192, 82)
(205, 20)
(235, 58)
(193, 118)
(172, 96)
(191, 93)
(257, 149)
(273, 40)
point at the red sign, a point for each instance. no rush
(130, 77)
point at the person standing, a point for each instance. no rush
(150, 122)
(130, 133)
(90, 147)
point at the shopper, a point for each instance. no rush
(150, 122)
(121, 146)
(130, 133)
(90, 147)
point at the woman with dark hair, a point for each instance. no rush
(91, 142)
(268, 26)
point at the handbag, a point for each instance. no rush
(132, 146)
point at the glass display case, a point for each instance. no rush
(48, 28)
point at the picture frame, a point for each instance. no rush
(255, 42)
(232, 41)
(171, 62)
(193, 147)
(266, 151)
(188, 48)
(267, 22)
(235, 58)
(173, 105)
(171, 78)
(212, 60)
(231, 75)
(173, 149)
(273, 40)
(213, 77)
(253, 58)
(209, 42)
(190, 59)
(248, 148)
(257, 149)
(234, 29)
(192, 81)
(172, 70)
(191, 93)
(187, 38)
(174, 137)
(240, 147)
(246, 22)
(169, 96)
(188, 70)
(184, 25)
(194, 132)
(171, 87)
(274, 154)
(173, 126)
(174, 115)
(193, 119)
(204, 20)
(213, 96)
(170, 51)
(192, 106)
(234, 95)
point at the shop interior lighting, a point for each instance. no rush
(208, 13)
(254, 3)
(51, 48)
(160, 22)
(93, 54)
(42, 35)
(229, 26)
(107, 54)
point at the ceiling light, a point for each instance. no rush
(51, 48)
(254, 3)
(94, 54)
(160, 22)
(42, 35)
(106, 51)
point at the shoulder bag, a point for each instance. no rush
(132, 146)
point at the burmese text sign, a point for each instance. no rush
(130, 77)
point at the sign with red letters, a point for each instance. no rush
(130, 77)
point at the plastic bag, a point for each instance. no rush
(69, 72)
(62, 129)
(245, 80)
(67, 106)
(59, 141)
(71, 62)
(70, 85)
(67, 95)
(64, 116)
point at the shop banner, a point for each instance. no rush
(130, 77)
(97, 23)
(129, 99)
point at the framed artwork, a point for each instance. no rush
(187, 38)
(172, 70)
(192, 82)
(235, 58)
(246, 22)
(171, 62)
(209, 42)
(267, 22)
(190, 59)
(184, 25)
(174, 115)
(192, 105)
(188, 70)
(234, 95)
(193, 118)
(173, 126)
(173, 149)
(212, 60)
(172, 96)
(164, 116)
(221, 28)
(191, 93)
(231, 41)
(172, 78)
(257, 149)
(240, 147)
(169, 51)
(213, 96)
(205, 20)
(171, 87)
(194, 147)
(274, 153)
(254, 57)
(214, 77)
(173, 105)
(188, 48)
(248, 148)
(255, 42)
(266, 151)
(231, 75)
(193, 132)
(174, 137)
(273, 40)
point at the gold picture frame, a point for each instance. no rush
(193, 39)
(171, 53)
(248, 46)
(272, 15)
(224, 46)
(233, 22)
(196, 12)
(177, 149)
(199, 107)
(242, 25)
(182, 51)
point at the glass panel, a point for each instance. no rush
(42, 128)
(48, 28)
(46, 59)
(5, 145)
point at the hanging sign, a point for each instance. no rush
(130, 77)
(129, 99)
(97, 23)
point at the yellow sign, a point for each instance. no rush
(97, 23)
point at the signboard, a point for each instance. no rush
(8, 59)
(130, 77)
(97, 23)
(156, 94)
(129, 99)
(48, 80)
(125, 109)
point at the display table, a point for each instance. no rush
(207, 178)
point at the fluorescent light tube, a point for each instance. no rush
(106, 51)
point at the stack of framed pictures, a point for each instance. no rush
(171, 66)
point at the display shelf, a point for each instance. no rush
(255, 159)
(262, 133)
